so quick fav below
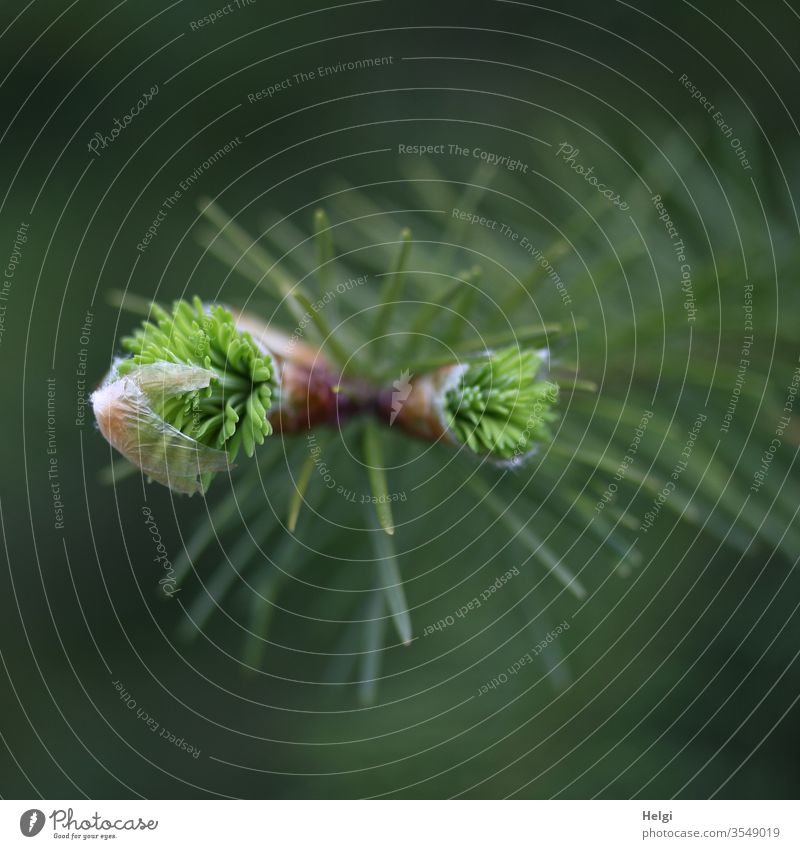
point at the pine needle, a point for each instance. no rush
(284, 563)
(373, 458)
(392, 288)
(462, 307)
(262, 612)
(324, 244)
(130, 302)
(225, 512)
(342, 661)
(301, 485)
(372, 648)
(222, 580)
(272, 275)
(392, 581)
(527, 335)
(522, 533)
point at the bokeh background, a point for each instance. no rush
(678, 674)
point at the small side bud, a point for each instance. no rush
(499, 404)
(502, 405)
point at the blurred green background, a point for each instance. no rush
(680, 678)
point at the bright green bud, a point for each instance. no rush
(231, 411)
(194, 391)
(500, 405)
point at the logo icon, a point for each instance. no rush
(31, 822)
(400, 392)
